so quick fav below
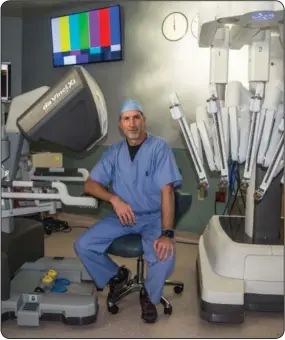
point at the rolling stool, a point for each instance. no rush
(130, 246)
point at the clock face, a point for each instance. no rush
(175, 26)
(195, 26)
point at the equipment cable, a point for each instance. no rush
(52, 225)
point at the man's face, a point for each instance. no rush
(132, 124)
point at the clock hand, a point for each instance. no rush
(174, 22)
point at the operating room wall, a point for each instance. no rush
(152, 68)
(11, 50)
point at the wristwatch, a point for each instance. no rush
(168, 233)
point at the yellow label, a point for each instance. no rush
(56, 158)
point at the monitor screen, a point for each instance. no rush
(87, 37)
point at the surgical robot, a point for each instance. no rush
(71, 116)
(243, 270)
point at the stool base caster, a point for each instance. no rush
(114, 309)
(168, 310)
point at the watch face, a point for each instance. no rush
(169, 233)
(175, 26)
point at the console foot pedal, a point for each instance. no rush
(28, 314)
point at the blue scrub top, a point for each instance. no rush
(138, 182)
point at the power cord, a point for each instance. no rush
(232, 167)
(233, 192)
(52, 225)
(238, 190)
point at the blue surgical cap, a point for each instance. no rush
(131, 104)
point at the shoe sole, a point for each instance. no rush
(149, 321)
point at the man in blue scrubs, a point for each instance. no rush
(143, 174)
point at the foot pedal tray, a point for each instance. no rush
(28, 314)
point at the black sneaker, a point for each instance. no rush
(120, 280)
(149, 311)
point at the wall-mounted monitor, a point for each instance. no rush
(87, 37)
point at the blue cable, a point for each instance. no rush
(232, 179)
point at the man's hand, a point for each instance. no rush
(163, 246)
(123, 211)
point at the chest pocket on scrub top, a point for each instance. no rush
(148, 183)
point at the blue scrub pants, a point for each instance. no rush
(92, 244)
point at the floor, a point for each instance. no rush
(183, 323)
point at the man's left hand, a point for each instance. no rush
(163, 246)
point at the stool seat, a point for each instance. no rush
(126, 246)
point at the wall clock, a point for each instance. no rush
(175, 26)
(195, 26)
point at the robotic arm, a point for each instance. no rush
(269, 113)
(212, 117)
(270, 137)
(259, 58)
(205, 132)
(245, 123)
(237, 104)
(177, 114)
(252, 147)
(72, 116)
(219, 59)
(214, 109)
(276, 165)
